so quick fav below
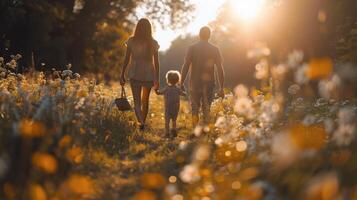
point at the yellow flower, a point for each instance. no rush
(75, 155)
(319, 68)
(29, 128)
(45, 162)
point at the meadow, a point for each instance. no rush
(294, 137)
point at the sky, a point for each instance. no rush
(205, 12)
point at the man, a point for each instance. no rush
(201, 60)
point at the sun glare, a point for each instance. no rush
(246, 9)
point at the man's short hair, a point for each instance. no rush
(205, 33)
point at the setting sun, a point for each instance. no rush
(246, 9)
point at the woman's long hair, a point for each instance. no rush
(143, 31)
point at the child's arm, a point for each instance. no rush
(183, 92)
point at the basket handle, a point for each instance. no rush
(123, 94)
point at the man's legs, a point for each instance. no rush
(207, 99)
(195, 105)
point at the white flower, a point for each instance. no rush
(329, 87)
(300, 75)
(241, 91)
(262, 70)
(295, 58)
(346, 115)
(344, 135)
(309, 119)
(67, 73)
(78, 6)
(329, 125)
(243, 106)
(294, 89)
(190, 173)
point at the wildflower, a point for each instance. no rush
(241, 146)
(69, 66)
(294, 89)
(17, 57)
(78, 6)
(76, 76)
(319, 68)
(241, 91)
(37, 192)
(346, 115)
(152, 180)
(324, 187)
(78, 185)
(29, 128)
(262, 70)
(12, 64)
(145, 195)
(45, 162)
(75, 155)
(328, 88)
(329, 125)
(190, 174)
(67, 73)
(243, 106)
(202, 153)
(295, 58)
(309, 120)
(344, 135)
(300, 75)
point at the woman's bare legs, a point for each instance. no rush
(145, 102)
(136, 90)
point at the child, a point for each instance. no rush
(172, 101)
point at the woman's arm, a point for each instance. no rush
(125, 65)
(157, 69)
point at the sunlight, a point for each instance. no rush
(246, 9)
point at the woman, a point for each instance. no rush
(143, 72)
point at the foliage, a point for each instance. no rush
(88, 34)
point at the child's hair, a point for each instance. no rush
(173, 77)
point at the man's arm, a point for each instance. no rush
(186, 66)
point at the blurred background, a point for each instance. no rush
(91, 34)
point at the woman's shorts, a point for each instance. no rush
(147, 84)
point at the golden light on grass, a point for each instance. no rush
(152, 180)
(75, 155)
(308, 137)
(226, 154)
(44, 162)
(36, 192)
(319, 68)
(29, 128)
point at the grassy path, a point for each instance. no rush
(118, 175)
